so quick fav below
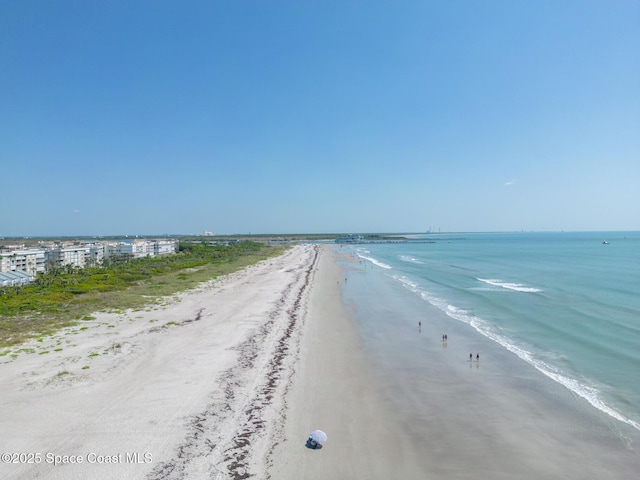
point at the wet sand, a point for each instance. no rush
(335, 390)
(425, 411)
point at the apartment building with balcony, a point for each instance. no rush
(165, 247)
(31, 261)
(74, 255)
(141, 248)
(25, 263)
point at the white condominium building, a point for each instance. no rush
(37, 260)
(141, 248)
(29, 261)
(74, 255)
(165, 247)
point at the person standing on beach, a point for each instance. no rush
(477, 357)
(471, 357)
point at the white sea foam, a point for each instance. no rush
(582, 388)
(518, 287)
(372, 260)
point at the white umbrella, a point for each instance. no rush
(318, 436)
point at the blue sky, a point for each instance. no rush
(152, 117)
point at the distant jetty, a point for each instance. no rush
(350, 239)
(360, 239)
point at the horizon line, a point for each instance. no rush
(272, 234)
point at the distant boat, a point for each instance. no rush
(604, 242)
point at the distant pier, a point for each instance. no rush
(367, 241)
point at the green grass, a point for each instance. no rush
(62, 299)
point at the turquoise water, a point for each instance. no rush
(567, 304)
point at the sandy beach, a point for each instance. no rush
(335, 390)
(227, 381)
(193, 388)
(425, 411)
(430, 413)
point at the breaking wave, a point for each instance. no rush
(373, 260)
(518, 287)
(580, 387)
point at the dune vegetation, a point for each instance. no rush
(65, 296)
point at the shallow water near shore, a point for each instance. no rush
(564, 303)
(554, 316)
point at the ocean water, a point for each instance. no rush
(566, 304)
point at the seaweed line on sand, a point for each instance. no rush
(257, 383)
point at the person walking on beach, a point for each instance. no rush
(471, 357)
(477, 357)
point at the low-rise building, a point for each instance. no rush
(141, 248)
(15, 278)
(74, 255)
(165, 247)
(31, 261)
(96, 254)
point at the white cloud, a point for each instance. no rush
(510, 182)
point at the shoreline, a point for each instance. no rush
(334, 390)
(497, 418)
(397, 403)
(228, 380)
